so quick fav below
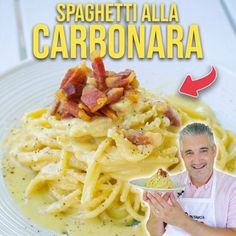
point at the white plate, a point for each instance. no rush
(32, 85)
(140, 183)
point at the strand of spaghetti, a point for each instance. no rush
(221, 158)
(65, 161)
(30, 158)
(49, 172)
(103, 179)
(64, 203)
(125, 192)
(55, 192)
(77, 164)
(137, 202)
(44, 138)
(104, 205)
(95, 201)
(72, 144)
(93, 172)
(132, 212)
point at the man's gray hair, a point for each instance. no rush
(196, 129)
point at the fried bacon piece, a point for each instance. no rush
(84, 115)
(69, 109)
(73, 83)
(162, 173)
(173, 116)
(110, 73)
(84, 107)
(67, 76)
(138, 137)
(54, 107)
(109, 112)
(99, 72)
(121, 79)
(93, 98)
(114, 95)
(132, 95)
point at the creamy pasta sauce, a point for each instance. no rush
(17, 179)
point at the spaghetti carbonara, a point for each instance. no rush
(102, 131)
(160, 180)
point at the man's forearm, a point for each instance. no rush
(196, 228)
(155, 226)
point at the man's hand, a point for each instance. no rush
(167, 208)
(155, 225)
(152, 206)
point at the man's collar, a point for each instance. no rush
(205, 186)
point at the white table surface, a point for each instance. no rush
(217, 30)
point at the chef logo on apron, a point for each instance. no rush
(195, 217)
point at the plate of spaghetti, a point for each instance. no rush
(74, 136)
(160, 181)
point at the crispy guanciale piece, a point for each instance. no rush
(134, 83)
(173, 116)
(114, 95)
(66, 115)
(73, 83)
(84, 107)
(162, 173)
(110, 73)
(132, 95)
(107, 111)
(83, 115)
(71, 108)
(93, 98)
(54, 107)
(99, 72)
(138, 137)
(67, 76)
(124, 74)
(60, 95)
(121, 79)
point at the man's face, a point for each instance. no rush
(198, 155)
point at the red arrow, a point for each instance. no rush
(191, 87)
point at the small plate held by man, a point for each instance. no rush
(160, 182)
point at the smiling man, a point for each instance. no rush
(208, 204)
